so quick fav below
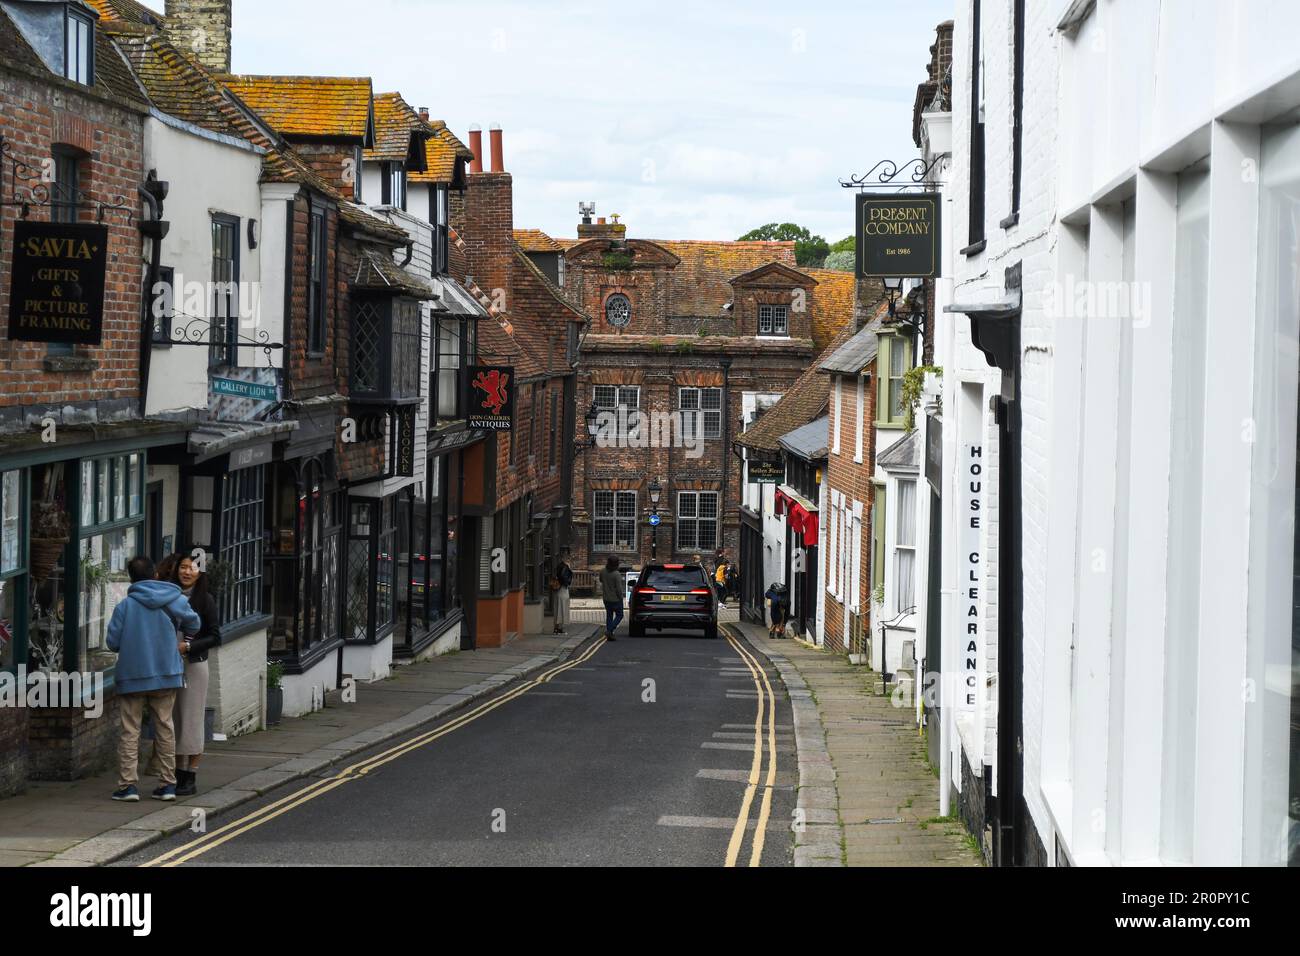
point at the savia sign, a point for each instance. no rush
(57, 291)
(898, 236)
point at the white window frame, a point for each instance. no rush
(694, 520)
(691, 403)
(616, 497)
(896, 585)
(621, 395)
(774, 321)
(859, 429)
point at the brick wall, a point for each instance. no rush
(64, 744)
(13, 750)
(853, 480)
(102, 382)
(203, 28)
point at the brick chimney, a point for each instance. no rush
(476, 147)
(424, 114)
(600, 229)
(202, 28)
(489, 219)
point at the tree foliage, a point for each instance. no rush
(809, 250)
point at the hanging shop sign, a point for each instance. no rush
(971, 571)
(243, 394)
(57, 291)
(406, 442)
(491, 397)
(934, 454)
(898, 236)
(766, 472)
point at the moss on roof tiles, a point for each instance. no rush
(308, 106)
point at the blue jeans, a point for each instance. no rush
(613, 616)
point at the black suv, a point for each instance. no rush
(676, 596)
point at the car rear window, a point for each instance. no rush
(675, 579)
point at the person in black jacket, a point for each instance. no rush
(192, 700)
(560, 588)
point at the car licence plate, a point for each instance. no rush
(673, 597)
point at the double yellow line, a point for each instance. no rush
(209, 841)
(766, 703)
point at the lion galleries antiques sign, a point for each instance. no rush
(898, 236)
(491, 397)
(57, 291)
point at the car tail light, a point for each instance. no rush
(646, 591)
(674, 567)
(700, 591)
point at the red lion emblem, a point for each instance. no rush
(493, 385)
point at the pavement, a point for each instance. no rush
(642, 752)
(76, 824)
(866, 791)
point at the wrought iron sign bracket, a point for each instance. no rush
(198, 331)
(24, 186)
(888, 175)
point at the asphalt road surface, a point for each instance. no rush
(642, 752)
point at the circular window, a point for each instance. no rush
(618, 311)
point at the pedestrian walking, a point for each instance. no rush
(720, 581)
(779, 596)
(191, 701)
(611, 588)
(142, 631)
(560, 583)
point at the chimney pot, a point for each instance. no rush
(424, 113)
(600, 221)
(498, 164)
(476, 147)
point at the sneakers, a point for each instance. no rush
(166, 792)
(127, 794)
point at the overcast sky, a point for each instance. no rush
(693, 120)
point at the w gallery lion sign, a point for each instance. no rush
(491, 397)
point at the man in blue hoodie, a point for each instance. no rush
(143, 633)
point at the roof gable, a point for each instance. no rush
(775, 274)
(311, 107)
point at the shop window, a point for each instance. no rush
(110, 535)
(13, 569)
(701, 410)
(371, 601)
(303, 593)
(893, 361)
(613, 525)
(697, 521)
(239, 570)
(773, 320)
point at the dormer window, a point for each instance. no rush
(79, 46)
(394, 185)
(773, 320)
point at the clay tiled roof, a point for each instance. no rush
(360, 220)
(176, 88)
(832, 304)
(534, 240)
(443, 153)
(805, 401)
(395, 123)
(310, 106)
(701, 283)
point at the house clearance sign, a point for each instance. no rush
(57, 292)
(898, 236)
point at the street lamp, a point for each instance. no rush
(894, 289)
(656, 492)
(593, 424)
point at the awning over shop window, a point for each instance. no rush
(803, 517)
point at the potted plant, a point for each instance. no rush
(274, 692)
(51, 527)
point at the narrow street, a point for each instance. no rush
(589, 763)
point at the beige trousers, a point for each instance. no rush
(561, 608)
(161, 703)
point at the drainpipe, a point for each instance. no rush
(152, 191)
(726, 448)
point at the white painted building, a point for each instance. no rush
(1141, 306)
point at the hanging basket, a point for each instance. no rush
(46, 553)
